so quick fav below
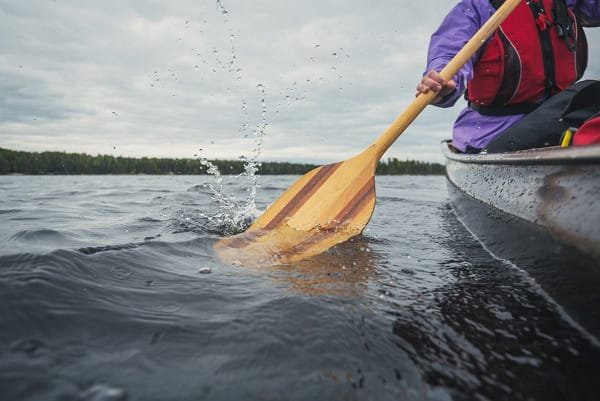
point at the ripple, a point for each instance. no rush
(9, 211)
(39, 235)
(103, 392)
(28, 346)
(106, 248)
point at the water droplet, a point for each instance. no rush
(221, 8)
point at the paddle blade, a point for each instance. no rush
(328, 205)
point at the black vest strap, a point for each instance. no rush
(507, 110)
(564, 25)
(538, 11)
(497, 3)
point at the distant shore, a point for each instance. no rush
(13, 162)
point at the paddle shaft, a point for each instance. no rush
(402, 122)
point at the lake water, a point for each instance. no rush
(105, 295)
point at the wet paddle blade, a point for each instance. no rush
(328, 205)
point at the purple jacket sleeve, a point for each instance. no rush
(588, 11)
(461, 23)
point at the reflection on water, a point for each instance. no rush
(489, 334)
(342, 271)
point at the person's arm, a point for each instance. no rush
(587, 11)
(461, 23)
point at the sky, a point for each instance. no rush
(304, 81)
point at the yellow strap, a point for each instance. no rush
(567, 136)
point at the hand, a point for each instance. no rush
(432, 81)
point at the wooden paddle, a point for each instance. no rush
(333, 203)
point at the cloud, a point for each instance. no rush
(320, 79)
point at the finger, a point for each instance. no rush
(431, 84)
(422, 88)
(434, 75)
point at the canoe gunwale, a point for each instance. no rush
(545, 156)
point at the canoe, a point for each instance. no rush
(555, 188)
(538, 209)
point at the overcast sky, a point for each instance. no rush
(320, 78)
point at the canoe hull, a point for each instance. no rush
(543, 217)
(551, 188)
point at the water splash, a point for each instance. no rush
(229, 65)
(232, 215)
(229, 215)
(252, 165)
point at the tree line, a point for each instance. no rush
(40, 163)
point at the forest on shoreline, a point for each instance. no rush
(62, 163)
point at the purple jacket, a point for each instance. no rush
(461, 23)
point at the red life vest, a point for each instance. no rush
(539, 50)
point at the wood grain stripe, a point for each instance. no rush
(358, 202)
(305, 193)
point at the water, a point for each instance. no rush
(105, 295)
